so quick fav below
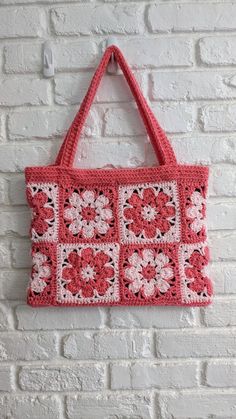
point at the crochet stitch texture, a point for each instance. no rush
(118, 236)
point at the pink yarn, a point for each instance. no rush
(118, 236)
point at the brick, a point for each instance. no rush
(127, 122)
(21, 254)
(221, 216)
(13, 284)
(221, 374)
(158, 52)
(3, 191)
(6, 381)
(114, 88)
(62, 378)
(230, 279)
(29, 318)
(17, 191)
(218, 118)
(2, 126)
(40, 124)
(221, 313)
(70, 89)
(123, 122)
(142, 53)
(175, 118)
(17, 92)
(121, 376)
(22, 22)
(15, 222)
(19, 407)
(195, 344)
(22, 58)
(198, 404)
(7, 2)
(5, 317)
(154, 375)
(27, 347)
(75, 55)
(15, 157)
(5, 256)
(112, 405)
(99, 19)
(111, 154)
(224, 275)
(223, 180)
(191, 17)
(194, 85)
(224, 54)
(93, 124)
(107, 345)
(223, 246)
(204, 150)
(146, 317)
(113, 1)
(27, 57)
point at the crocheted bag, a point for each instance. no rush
(118, 236)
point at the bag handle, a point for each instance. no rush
(160, 142)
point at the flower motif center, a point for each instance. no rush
(88, 213)
(148, 272)
(148, 213)
(87, 273)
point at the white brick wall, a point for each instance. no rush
(131, 362)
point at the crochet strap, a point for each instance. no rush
(160, 142)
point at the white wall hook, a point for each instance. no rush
(48, 60)
(112, 67)
(112, 40)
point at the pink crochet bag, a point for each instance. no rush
(118, 236)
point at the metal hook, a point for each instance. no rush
(48, 60)
(112, 67)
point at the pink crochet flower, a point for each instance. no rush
(149, 273)
(150, 213)
(88, 214)
(195, 272)
(197, 211)
(41, 214)
(41, 272)
(88, 273)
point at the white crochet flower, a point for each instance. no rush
(88, 213)
(148, 273)
(196, 211)
(41, 272)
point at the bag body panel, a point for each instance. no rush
(170, 261)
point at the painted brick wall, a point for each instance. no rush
(125, 363)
